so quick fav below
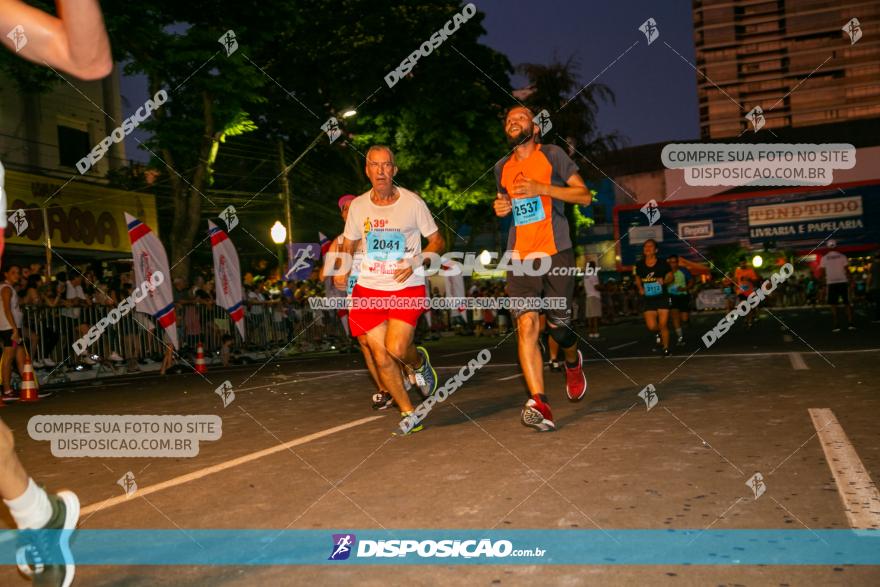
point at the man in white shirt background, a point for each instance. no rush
(833, 268)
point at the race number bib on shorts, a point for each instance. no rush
(352, 280)
(385, 246)
(652, 288)
(527, 210)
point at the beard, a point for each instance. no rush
(523, 136)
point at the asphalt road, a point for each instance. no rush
(724, 414)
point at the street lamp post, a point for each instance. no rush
(285, 169)
(278, 234)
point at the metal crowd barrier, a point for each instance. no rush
(272, 329)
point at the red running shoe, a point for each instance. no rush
(575, 380)
(536, 414)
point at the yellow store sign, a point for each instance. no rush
(80, 215)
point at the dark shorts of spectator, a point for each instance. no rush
(6, 338)
(548, 286)
(838, 293)
(654, 303)
(682, 303)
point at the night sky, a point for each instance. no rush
(654, 87)
(656, 90)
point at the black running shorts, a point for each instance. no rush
(558, 282)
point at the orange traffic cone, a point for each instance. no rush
(201, 366)
(29, 390)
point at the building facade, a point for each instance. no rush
(761, 53)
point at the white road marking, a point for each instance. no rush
(142, 491)
(797, 362)
(859, 494)
(511, 377)
(620, 346)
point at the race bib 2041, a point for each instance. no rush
(385, 246)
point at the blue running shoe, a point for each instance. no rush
(426, 376)
(43, 555)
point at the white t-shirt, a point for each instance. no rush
(590, 283)
(256, 309)
(834, 264)
(391, 234)
(71, 293)
(13, 305)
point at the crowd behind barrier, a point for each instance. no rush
(57, 313)
(49, 334)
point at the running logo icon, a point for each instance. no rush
(854, 29)
(650, 396)
(652, 211)
(342, 547)
(128, 484)
(225, 392)
(303, 260)
(331, 127)
(229, 217)
(19, 220)
(650, 30)
(19, 39)
(229, 42)
(542, 119)
(756, 484)
(756, 117)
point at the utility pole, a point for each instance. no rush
(285, 195)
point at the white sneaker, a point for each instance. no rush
(49, 362)
(38, 364)
(114, 356)
(87, 360)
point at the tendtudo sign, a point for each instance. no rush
(79, 215)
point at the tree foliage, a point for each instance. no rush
(297, 64)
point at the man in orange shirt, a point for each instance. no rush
(535, 182)
(746, 280)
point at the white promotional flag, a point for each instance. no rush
(150, 262)
(227, 276)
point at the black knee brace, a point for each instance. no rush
(562, 334)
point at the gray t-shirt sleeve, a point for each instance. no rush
(563, 166)
(499, 168)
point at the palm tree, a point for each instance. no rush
(572, 107)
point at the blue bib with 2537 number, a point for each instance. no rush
(385, 246)
(527, 210)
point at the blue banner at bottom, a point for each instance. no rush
(449, 547)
